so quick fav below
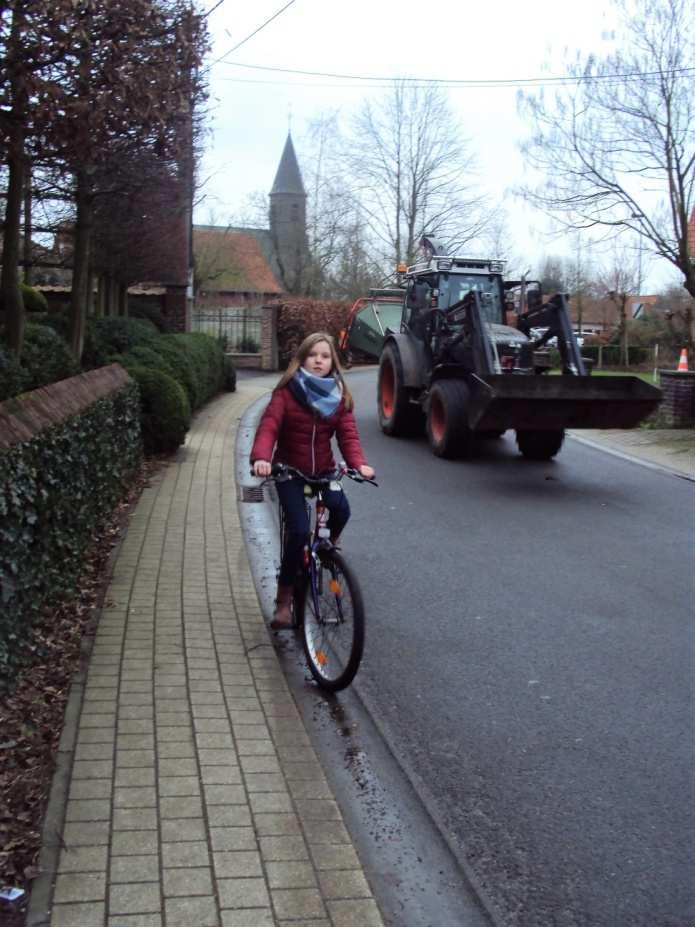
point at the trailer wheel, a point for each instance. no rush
(447, 419)
(540, 445)
(397, 415)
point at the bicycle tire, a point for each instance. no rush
(333, 638)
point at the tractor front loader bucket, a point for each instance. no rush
(500, 401)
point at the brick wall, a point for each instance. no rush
(269, 339)
(177, 310)
(678, 405)
(27, 415)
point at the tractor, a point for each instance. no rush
(471, 360)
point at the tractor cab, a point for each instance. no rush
(442, 296)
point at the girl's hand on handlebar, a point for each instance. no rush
(262, 467)
(366, 472)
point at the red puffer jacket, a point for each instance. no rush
(303, 437)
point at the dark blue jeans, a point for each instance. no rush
(292, 500)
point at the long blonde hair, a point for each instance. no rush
(301, 354)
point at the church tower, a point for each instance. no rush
(288, 221)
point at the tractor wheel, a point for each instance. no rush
(397, 415)
(540, 445)
(447, 420)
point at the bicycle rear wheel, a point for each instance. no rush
(333, 623)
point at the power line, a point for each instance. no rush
(251, 35)
(564, 82)
(212, 9)
(454, 82)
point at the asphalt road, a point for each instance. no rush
(530, 659)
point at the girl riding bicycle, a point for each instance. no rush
(309, 405)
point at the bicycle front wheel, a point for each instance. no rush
(333, 623)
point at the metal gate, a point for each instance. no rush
(239, 327)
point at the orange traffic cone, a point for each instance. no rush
(683, 362)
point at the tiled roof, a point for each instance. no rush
(288, 178)
(233, 261)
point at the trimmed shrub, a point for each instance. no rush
(174, 353)
(142, 355)
(13, 379)
(55, 489)
(198, 363)
(248, 346)
(58, 321)
(165, 413)
(229, 374)
(138, 310)
(207, 357)
(46, 357)
(115, 335)
(34, 300)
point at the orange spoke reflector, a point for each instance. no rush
(321, 657)
(334, 586)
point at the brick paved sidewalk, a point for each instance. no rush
(194, 798)
(672, 449)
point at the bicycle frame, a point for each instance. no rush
(328, 606)
(315, 507)
(317, 542)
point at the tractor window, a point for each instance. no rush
(418, 301)
(453, 288)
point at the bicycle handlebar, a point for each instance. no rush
(282, 472)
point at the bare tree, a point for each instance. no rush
(579, 276)
(253, 213)
(413, 172)
(618, 280)
(496, 242)
(126, 86)
(119, 79)
(552, 274)
(619, 151)
(35, 36)
(329, 200)
(341, 262)
(211, 258)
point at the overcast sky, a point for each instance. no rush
(449, 39)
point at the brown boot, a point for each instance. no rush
(282, 616)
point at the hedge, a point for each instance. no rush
(196, 362)
(13, 378)
(611, 354)
(33, 299)
(165, 413)
(55, 489)
(114, 335)
(45, 358)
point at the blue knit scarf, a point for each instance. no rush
(320, 394)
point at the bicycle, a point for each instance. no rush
(327, 601)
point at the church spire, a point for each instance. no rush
(288, 178)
